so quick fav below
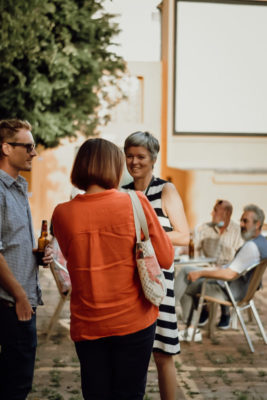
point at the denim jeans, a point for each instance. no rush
(18, 340)
(115, 367)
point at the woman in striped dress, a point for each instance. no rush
(141, 149)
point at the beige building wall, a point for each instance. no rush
(207, 168)
(49, 180)
(142, 110)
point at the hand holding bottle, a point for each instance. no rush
(44, 251)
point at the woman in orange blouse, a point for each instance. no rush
(112, 324)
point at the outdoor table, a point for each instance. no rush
(198, 262)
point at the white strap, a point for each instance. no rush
(139, 216)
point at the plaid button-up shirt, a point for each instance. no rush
(16, 236)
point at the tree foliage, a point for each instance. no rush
(53, 55)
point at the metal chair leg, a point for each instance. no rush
(243, 325)
(257, 318)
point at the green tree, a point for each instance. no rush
(53, 55)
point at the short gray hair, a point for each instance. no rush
(258, 212)
(143, 139)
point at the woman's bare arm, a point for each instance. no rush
(173, 208)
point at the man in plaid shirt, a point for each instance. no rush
(20, 292)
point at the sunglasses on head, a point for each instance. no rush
(28, 146)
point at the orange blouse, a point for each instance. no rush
(96, 234)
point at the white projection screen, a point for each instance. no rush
(220, 68)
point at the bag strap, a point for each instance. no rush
(139, 216)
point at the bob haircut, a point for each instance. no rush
(98, 162)
(143, 139)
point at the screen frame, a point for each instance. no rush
(175, 61)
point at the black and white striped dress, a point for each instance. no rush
(166, 339)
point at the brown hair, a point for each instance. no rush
(98, 162)
(9, 128)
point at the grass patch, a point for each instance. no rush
(178, 366)
(55, 396)
(213, 358)
(50, 394)
(241, 395)
(59, 363)
(243, 351)
(45, 392)
(215, 341)
(57, 339)
(55, 378)
(223, 375)
(74, 391)
(229, 359)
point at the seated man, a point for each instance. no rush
(219, 238)
(252, 252)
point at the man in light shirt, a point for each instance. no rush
(252, 252)
(220, 238)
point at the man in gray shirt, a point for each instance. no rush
(19, 285)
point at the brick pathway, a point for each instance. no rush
(223, 369)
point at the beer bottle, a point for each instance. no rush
(191, 247)
(42, 242)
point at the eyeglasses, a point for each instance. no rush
(28, 146)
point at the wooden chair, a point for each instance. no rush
(246, 303)
(64, 289)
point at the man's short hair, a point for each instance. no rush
(99, 162)
(9, 128)
(258, 212)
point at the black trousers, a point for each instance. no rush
(115, 368)
(18, 341)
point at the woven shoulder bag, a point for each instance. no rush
(150, 273)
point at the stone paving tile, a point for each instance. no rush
(223, 369)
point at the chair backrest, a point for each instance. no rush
(255, 281)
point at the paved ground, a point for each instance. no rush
(222, 369)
